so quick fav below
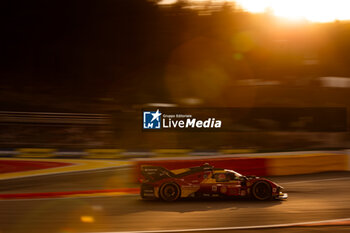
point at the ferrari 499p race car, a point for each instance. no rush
(205, 180)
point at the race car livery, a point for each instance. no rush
(205, 180)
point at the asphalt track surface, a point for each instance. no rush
(311, 198)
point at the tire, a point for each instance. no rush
(261, 191)
(169, 192)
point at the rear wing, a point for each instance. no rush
(155, 173)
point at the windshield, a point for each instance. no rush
(236, 174)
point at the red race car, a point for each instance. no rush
(205, 180)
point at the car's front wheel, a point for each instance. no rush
(261, 191)
(169, 192)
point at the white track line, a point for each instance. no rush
(319, 180)
(234, 228)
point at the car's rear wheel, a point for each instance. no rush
(169, 192)
(261, 191)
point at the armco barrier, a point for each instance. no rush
(104, 153)
(271, 164)
(114, 153)
(306, 163)
(171, 152)
(237, 151)
(36, 152)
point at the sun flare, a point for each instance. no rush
(311, 10)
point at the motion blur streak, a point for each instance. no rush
(323, 222)
(87, 219)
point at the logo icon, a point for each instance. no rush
(151, 120)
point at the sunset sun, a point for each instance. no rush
(311, 10)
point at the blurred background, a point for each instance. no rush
(85, 69)
(75, 76)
